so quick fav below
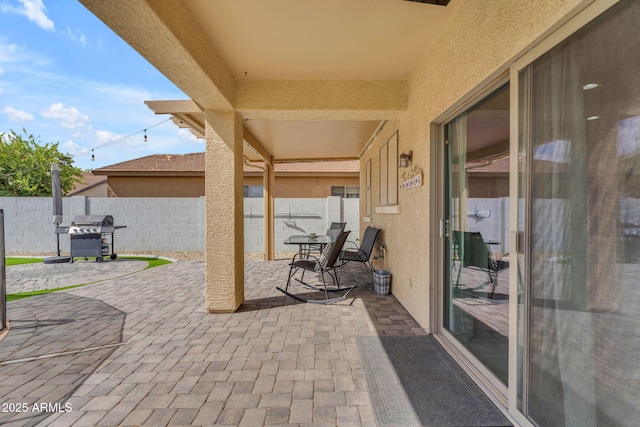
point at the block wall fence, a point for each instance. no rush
(167, 224)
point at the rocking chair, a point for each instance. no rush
(325, 263)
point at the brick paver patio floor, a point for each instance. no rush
(142, 350)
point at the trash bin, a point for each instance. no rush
(382, 282)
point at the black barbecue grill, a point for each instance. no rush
(92, 236)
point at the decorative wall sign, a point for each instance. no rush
(412, 178)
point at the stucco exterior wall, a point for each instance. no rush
(156, 186)
(193, 186)
(95, 191)
(482, 40)
(297, 186)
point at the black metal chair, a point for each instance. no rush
(363, 253)
(325, 263)
(338, 226)
(470, 250)
(334, 230)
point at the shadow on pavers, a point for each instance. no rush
(55, 342)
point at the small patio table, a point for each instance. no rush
(304, 240)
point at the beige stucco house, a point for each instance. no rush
(517, 122)
(182, 175)
(90, 186)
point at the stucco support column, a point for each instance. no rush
(269, 211)
(224, 269)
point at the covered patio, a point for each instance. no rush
(306, 92)
(142, 350)
(421, 92)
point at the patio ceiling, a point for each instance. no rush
(312, 79)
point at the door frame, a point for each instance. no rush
(488, 382)
(505, 397)
(519, 241)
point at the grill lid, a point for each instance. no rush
(92, 220)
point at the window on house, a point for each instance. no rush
(253, 191)
(346, 192)
(389, 172)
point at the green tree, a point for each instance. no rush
(25, 166)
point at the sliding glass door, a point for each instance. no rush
(476, 212)
(579, 182)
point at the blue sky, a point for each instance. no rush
(66, 77)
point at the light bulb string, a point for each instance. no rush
(123, 138)
(46, 167)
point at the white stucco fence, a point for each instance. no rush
(167, 224)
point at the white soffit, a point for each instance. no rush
(283, 139)
(307, 40)
(308, 139)
(322, 39)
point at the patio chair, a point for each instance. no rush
(363, 253)
(325, 263)
(334, 230)
(470, 249)
(338, 226)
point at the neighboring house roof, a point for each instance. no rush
(193, 164)
(501, 166)
(157, 164)
(88, 182)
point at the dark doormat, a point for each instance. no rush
(414, 382)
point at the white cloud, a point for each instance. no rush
(73, 149)
(79, 134)
(122, 93)
(8, 52)
(185, 135)
(34, 10)
(16, 59)
(75, 36)
(18, 116)
(70, 118)
(106, 138)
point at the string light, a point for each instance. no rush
(123, 138)
(93, 157)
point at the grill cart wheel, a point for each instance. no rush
(99, 259)
(113, 256)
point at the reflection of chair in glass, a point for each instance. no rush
(326, 263)
(470, 250)
(363, 253)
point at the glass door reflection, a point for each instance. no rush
(476, 297)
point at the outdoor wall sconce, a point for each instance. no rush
(405, 159)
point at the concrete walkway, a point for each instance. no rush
(142, 350)
(39, 276)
